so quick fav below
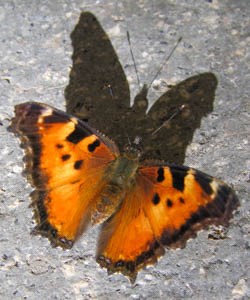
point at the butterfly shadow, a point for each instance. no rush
(98, 92)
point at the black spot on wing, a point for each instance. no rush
(169, 203)
(204, 181)
(78, 164)
(77, 135)
(94, 145)
(160, 173)
(65, 157)
(59, 146)
(178, 176)
(181, 200)
(156, 199)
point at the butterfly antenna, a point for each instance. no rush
(133, 58)
(179, 109)
(166, 59)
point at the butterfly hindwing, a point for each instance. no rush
(166, 207)
(66, 162)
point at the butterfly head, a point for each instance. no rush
(133, 149)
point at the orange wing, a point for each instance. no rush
(66, 161)
(168, 205)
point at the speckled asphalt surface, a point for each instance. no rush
(35, 56)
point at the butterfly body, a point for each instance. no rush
(120, 177)
(80, 177)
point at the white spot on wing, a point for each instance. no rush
(215, 186)
(74, 120)
(45, 113)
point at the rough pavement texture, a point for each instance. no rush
(35, 55)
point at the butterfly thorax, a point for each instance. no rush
(120, 178)
(123, 170)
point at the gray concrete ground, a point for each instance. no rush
(35, 56)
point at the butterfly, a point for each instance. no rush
(81, 178)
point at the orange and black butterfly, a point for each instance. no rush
(82, 177)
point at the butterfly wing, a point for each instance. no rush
(166, 207)
(66, 162)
